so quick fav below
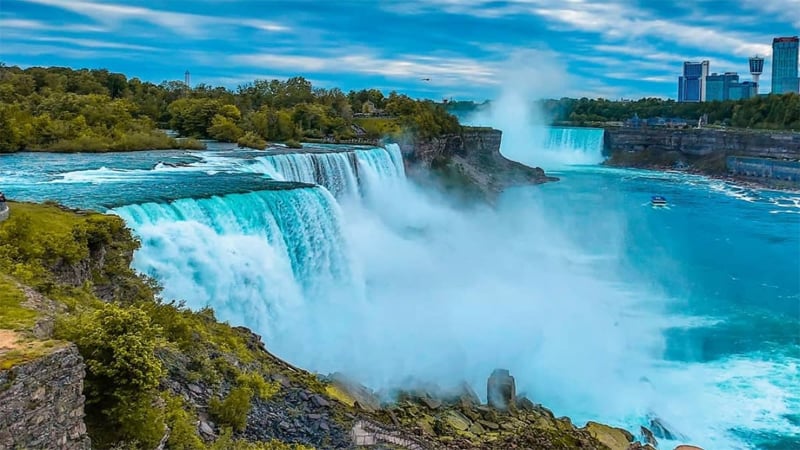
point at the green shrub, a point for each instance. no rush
(122, 372)
(260, 387)
(183, 431)
(291, 143)
(233, 410)
(252, 140)
(190, 144)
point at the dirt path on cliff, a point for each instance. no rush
(8, 340)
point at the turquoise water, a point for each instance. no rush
(603, 307)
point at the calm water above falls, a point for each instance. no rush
(603, 307)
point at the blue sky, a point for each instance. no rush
(470, 49)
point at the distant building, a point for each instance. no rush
(726, 86)
(784, 65)
(718, 86)
(743, 90)
(756, 64)
(692, 85)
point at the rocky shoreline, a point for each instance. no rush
(754, 183)
(765, 160)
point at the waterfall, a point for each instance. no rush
(556, 147)
(251, 256)
(584, 144)
(334, 170)
(339, 172)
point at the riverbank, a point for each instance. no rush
(766, 159)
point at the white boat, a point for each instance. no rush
(658, 200)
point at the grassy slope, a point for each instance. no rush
(39, 238)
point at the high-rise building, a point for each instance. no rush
(718, 86)
(742, 90)
(692, 85)
(784, 65)
(726, 86)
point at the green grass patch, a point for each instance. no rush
(28, 351)
(13, 316)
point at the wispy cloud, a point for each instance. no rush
(441, 71)
(194, 25)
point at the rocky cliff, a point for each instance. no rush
(703, 142)
(469, 160)
(709, 151)
(41, 403)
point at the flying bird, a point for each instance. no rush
(425, 79)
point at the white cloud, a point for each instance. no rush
(194, 25)
(25, 24)
(441, 71)
(789, 10)
(618, 20)
(65, 52)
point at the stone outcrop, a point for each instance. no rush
(770, 158)
(41, 403)
(613, 438)
(501, 390)
(704, 142)
(472, 159)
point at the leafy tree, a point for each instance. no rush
(224, 129)
(122, 371)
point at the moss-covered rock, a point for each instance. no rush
(613, 438)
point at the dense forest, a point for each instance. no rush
(778, 112)
(61, 109)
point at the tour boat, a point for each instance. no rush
(658, 200)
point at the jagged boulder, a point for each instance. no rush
(648, 437)
(614, 438)
(688, 447)
(525, 404)
(661, 430)
(501, 390)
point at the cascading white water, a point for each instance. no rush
(331, 170)
(573, 145)
(336, 171)
(252, 257)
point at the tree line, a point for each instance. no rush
(62, 109)
(777, 112)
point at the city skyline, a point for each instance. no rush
(433, 49)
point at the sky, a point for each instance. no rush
(457, 49)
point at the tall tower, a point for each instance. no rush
(784, 64)
(756, 67)
(187, 79)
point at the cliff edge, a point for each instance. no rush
(41, 402)
(470, 160)
(770, 158)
